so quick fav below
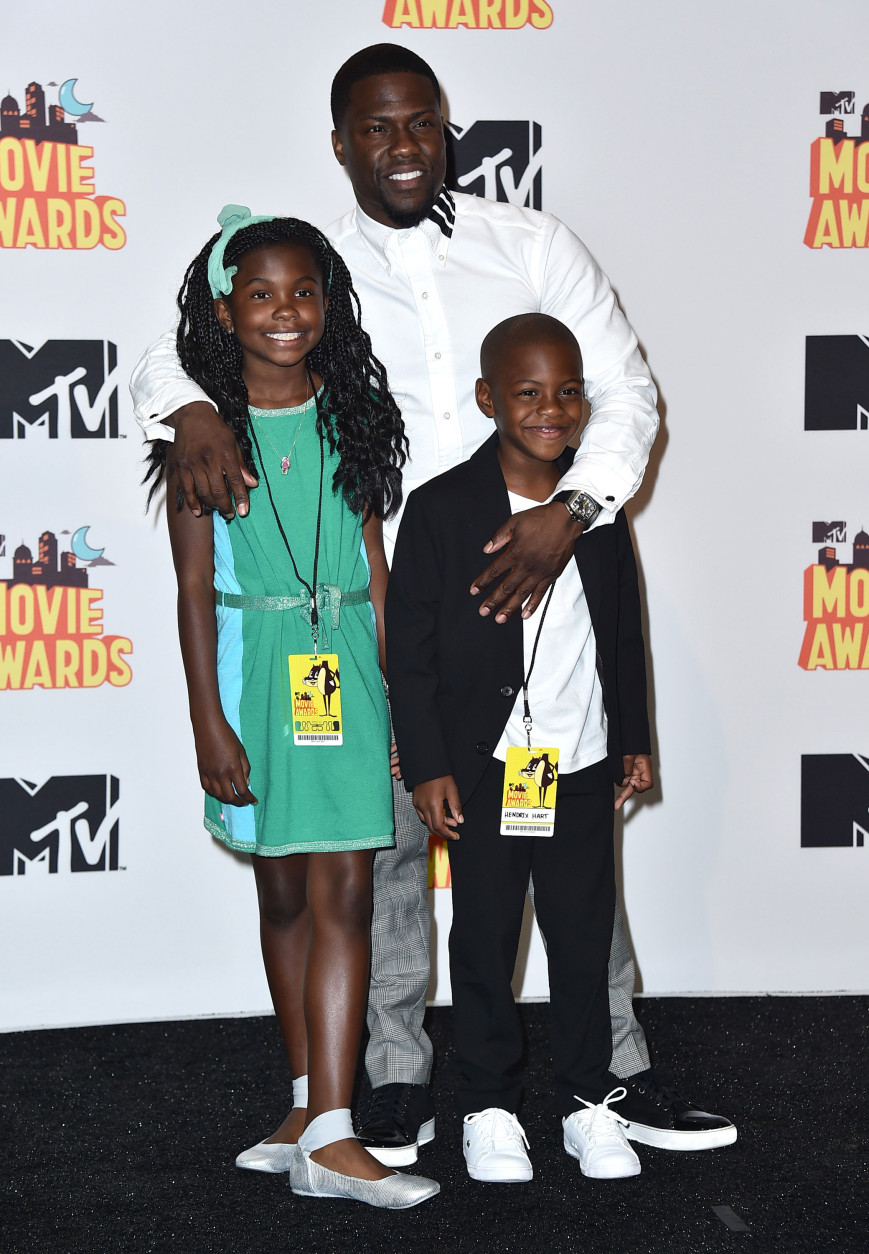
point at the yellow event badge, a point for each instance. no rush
(530, 785)
(316, 688)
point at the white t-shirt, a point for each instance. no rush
(564, 693)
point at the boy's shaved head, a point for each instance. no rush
(519, 331)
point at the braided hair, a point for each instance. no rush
(365, 425)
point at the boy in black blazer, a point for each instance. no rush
(568, 683)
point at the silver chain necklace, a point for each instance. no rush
(286, 458)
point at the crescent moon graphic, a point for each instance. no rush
(82, 549)
(67, 101)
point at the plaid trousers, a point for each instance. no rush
(630, 1051)
(399, 1050)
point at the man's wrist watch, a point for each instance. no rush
(579, 505)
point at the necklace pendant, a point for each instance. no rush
(285, 464)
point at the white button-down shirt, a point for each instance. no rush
(429, 295)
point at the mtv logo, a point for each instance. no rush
(829, 533)
(498, 161)
(67, 389)
(837, 383)
(68, 824)
(835, 800)
(840, 102)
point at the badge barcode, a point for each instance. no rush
(324, 738)
(524, 827)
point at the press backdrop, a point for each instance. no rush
(709, 157)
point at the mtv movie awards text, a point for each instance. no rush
(51, 622)
(471, 14)
(46, 183)
(840, 189)
(836, 610)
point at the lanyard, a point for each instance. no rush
(311, 590)
(526, 718)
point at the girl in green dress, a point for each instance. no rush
(280, 620)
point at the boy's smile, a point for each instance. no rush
(391, 142)
(534, 394)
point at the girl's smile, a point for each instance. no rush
(277, 311)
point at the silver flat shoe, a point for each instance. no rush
(274, 1156)
(395, 1192)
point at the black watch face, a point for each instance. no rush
(580, 507)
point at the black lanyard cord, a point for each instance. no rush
(315, 617)
(527, 720)
(312, 591)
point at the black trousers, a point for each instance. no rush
(574, 898)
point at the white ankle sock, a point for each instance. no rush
(300, 1091)
(332, 1125)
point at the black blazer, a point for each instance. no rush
(454, 676)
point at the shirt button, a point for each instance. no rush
(482, 746)
(437, 356)
(446, 415)
(441, 257)
(425, 295)
(506, 691)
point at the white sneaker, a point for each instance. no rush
(494, 1142)
(595, 1137)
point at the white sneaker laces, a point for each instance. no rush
(602, 1115)
(499, 1128)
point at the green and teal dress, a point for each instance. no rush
(311, 797)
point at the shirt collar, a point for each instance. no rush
(437, 227)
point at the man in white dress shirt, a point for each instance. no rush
(434, 272)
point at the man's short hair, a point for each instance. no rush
(378, 59)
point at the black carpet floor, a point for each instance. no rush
(123, 1139)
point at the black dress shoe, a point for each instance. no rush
(400, 1118)
(657, 1115)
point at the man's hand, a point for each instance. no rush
(428, 801)
(394, 764)
(539, 545)
(638, 776)
(208, 461)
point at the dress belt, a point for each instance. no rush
(330, 598)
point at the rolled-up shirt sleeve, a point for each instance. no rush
(615, 444)
(159, 386)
